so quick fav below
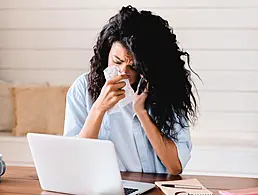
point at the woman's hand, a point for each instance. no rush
(111, 93)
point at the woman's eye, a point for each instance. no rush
(117, 62)
(133, 66)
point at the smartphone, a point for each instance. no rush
(141, 85)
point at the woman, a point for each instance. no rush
(151, 134)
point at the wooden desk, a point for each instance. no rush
(23, 180)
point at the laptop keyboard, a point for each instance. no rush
(129, 190)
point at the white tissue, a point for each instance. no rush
(111, 72)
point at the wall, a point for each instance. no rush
(44, 41)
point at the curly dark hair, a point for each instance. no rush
(157, 56)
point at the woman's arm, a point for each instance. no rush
(110, 95)
(165, 148)
(174, 155)
(92, 124)
(78, 121)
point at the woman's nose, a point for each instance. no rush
(124, 68)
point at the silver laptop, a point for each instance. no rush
(79, 166)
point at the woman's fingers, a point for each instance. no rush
(117, 98)
(118, 78)
(118, 92)
(119, 85)
(115, 87)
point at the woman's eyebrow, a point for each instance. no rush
(119, 58)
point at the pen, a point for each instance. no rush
(182, 186)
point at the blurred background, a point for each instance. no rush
(45, 45)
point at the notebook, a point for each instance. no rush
(248, 191)
(192, 182)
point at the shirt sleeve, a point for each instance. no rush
(183, 144)
(76, 109)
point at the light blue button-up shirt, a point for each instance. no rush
(133, 148)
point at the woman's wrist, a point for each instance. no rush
(96, 108)
(142, 112)
(92, 124)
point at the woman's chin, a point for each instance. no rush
(131, 81)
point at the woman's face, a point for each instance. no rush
(120, 57)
